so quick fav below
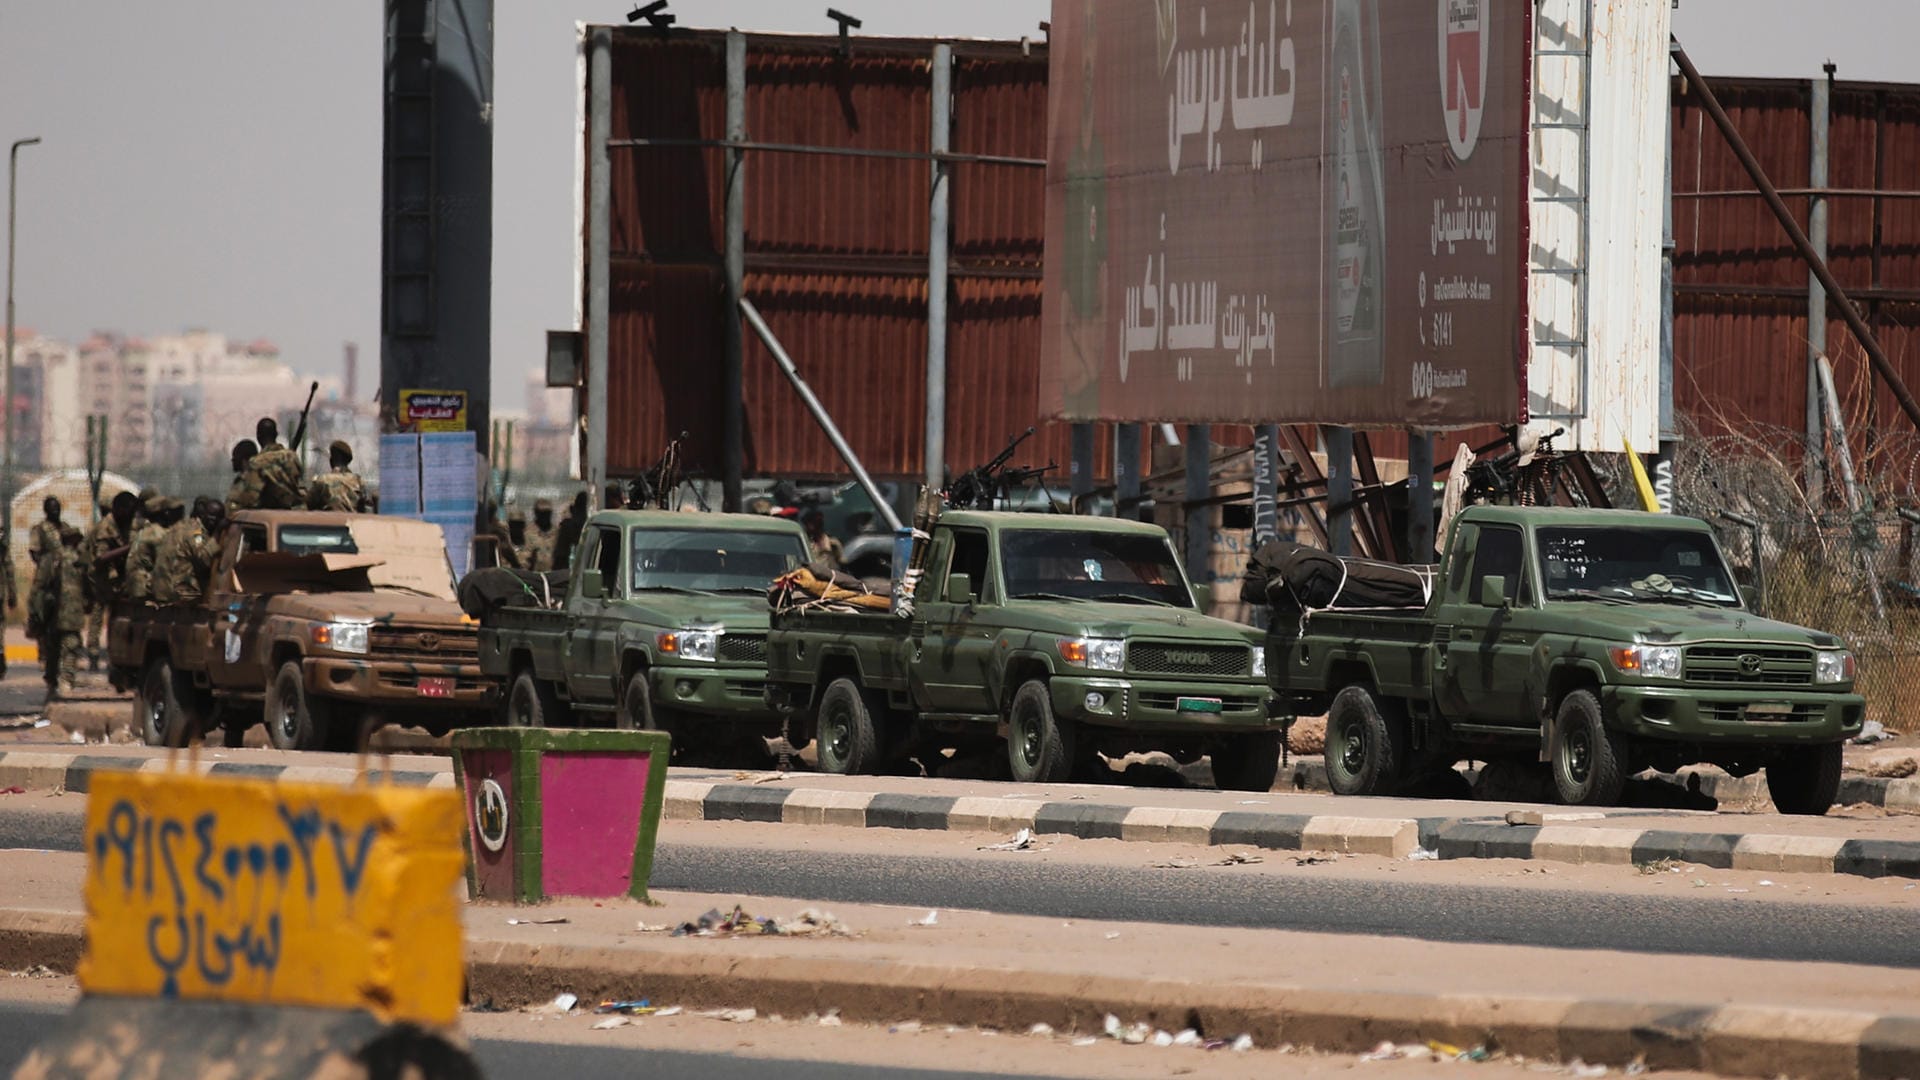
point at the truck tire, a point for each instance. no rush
(845, 738)
(1589, 761)
(1806, 783)
(636, 705)
(1039, 747)
(295, 719)
(1249, 762)
(1366, 745)
(159, 707)
(531, 702)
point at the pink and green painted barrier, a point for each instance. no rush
(560, 813)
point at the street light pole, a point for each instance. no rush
(6, 462)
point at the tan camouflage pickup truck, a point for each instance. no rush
(321, 626)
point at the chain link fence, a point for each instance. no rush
(1831, 555)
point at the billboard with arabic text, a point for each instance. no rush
(1287, 210)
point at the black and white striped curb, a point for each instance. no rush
(1542, 835)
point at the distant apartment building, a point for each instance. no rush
(179, 400)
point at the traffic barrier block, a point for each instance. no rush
(247, 890)
(1787, 854)
(826, 806)
(271, 928)
(1169, 825)
(560, 813)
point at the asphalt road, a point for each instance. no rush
(1486, 914)
(21, 1025)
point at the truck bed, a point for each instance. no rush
(508, 631)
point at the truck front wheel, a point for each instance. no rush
(295, 720)
(1248, 762)
(1806, 783)
(1589, 761)
(845, 740)
(636, 704)
(1366, 744)
(1039, 748)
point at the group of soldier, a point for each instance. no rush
(540, 544)
(148, 549)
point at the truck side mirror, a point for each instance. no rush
(591, 585)
(1493, 592)
(1203, 596)
(959, 589)
(1750, 598)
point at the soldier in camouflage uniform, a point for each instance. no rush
(59, 605)
(243, 452)
(185, 561)
(46, 534)
(541, 535)
(273, 479)
(340, 489)
(160, 512)
(105, 555)
(492, 528)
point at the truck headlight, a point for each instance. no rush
(347, 637)
(1647, 661)
(1832, 666)
(700, 645)
(1097, 654)
(1259, 662)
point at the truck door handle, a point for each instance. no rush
(1463, 635)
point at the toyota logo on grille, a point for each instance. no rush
(429, 642)
(1750, 663)
(1188, 658)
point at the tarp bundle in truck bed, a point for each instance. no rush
(1297, 578)
(818, 587)
(487, 590)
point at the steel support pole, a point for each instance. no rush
(1339, 442)
(6, 473)
(1819, 112)
(1199, 511)
(1419, 496)
(1080, 462)
(599, 240)
(733, 409)
(1126, 471)
(940, 143)
(820, 414)
(1861, 331)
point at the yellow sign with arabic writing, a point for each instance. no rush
(286, 893)
(433, 410)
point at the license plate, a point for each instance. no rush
(1770, 711)
(436, 687)
(1198, 704)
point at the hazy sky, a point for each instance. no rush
(217, 162)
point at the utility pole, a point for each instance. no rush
(6, 469)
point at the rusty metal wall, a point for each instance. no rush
(836, 251)
(1740, 303)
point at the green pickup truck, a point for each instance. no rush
(1600, 642)
(1064, 636)
(663, 627)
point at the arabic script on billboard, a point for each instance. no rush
(1287, 210)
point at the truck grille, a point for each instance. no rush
(436, 644)
(1726, 712)
(743, 648)
(1763, 666)
(1159, 658)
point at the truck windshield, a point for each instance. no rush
(1617, 563)
(317, 540)
(1090, 566)
(712, 561)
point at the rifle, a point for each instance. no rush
(976, 488)
(654, 488)
(300, 433)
